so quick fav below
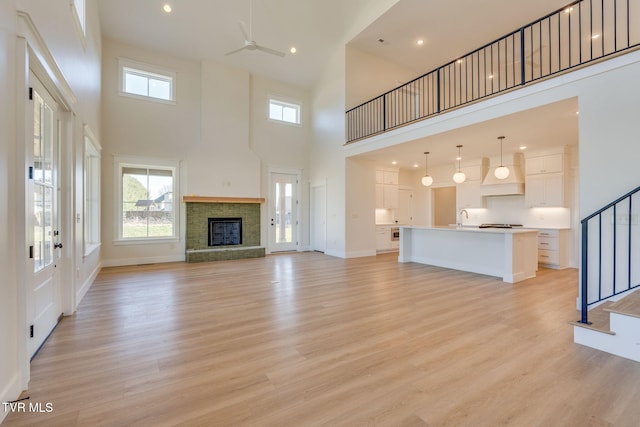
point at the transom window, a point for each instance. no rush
(142, 80)
(286, 112)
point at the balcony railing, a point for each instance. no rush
(577, 34)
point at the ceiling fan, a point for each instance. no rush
(249, 43)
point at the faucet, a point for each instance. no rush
(466, 214)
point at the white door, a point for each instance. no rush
(318, 218)
(43, 292)
(405, 207)
(283, 212)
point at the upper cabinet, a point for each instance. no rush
(546, 183)
(387, 189)
(551, 163)
(468, 194)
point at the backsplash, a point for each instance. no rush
(512, 210)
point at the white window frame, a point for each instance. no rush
(149, 71)
(285, 103)
(91, 190)
(121, 162)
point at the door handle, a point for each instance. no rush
(57, 245)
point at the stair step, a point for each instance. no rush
(599, 318)
(629, 305)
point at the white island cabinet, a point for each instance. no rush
(511, 254)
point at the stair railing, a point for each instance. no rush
(580, 33)
(610, 252)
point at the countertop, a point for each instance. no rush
(476, 229)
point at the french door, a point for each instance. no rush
(43, 234)
(283, 212)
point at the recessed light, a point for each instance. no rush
(458, 158)
(293, 49)
(491, 76)
(167, 8)
(416, 165)
(577, 112)
(595, 36)
(568, 10)
(459, 61)
(394, 163)
(523, 147)
(420, 42)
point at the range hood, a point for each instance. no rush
(512, 185)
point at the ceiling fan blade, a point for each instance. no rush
(243, 28)
(271, 51)
(235, 51)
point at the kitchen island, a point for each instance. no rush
(511, 254)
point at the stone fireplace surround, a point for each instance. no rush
(200, 208)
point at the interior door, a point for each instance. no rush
(283, 212)
(43, 293)
(405, 207)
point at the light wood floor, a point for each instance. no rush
(306, 339)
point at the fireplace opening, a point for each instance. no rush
(225, 231)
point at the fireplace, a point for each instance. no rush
(222, 228)
(225, 231)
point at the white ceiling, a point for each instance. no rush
(207, 29)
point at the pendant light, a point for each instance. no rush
(427, 180)
(501, 172)
(459, 177)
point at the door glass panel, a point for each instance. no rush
(284, 227)
(43, 204)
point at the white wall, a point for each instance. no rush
(79, 64)
(218, 130)
(281, 147)
(328, 160)
(369, 76)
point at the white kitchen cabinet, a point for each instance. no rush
(551, 163)
(545, 190)
(386, 189)
(468, 195)
(383, 238)
(390, 177)
(553, 248)
(545, 182)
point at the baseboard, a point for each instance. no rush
(337, 254)
(142, 260)
(87, 284)
(361, 254)
(10, 393)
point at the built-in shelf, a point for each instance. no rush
(209, 199)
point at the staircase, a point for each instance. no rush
(614, 328)
(610, 279)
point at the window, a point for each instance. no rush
(146, 200)
(286, 112)
(146, 81)
(91, 192)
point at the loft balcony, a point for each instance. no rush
(577, 35)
